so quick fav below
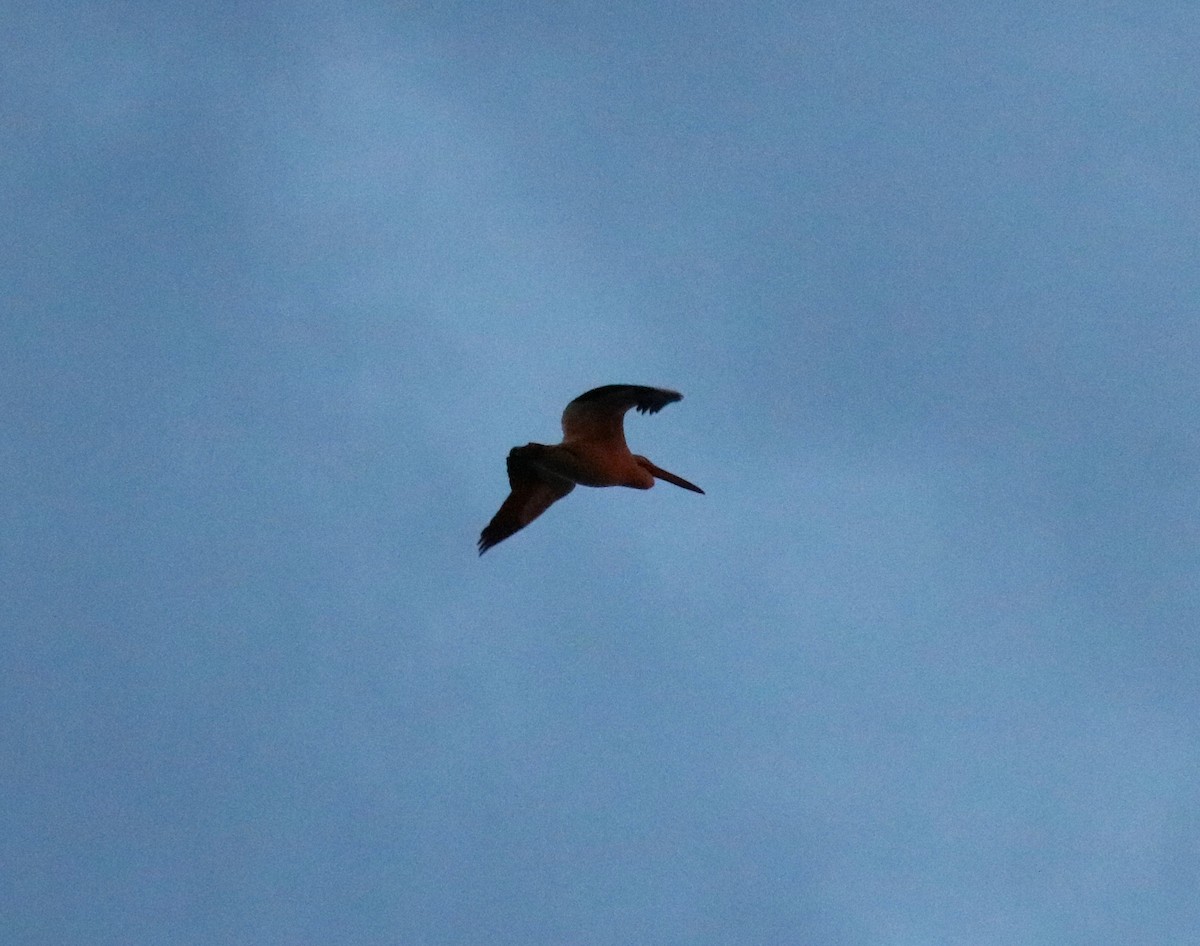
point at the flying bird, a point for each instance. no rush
(592, 453)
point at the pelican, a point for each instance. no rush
(592, 453)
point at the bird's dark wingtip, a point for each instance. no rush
(646, 399)
(653, 400)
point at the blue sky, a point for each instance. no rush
(284, 282)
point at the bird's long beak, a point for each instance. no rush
(672, 478)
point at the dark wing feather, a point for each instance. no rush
(534, 490)
(599, 414)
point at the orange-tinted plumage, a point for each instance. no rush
(593, 452)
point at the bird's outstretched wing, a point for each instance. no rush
(534, 490)
(599, 414)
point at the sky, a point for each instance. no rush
(282, 284)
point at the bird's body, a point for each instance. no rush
(593, 452)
